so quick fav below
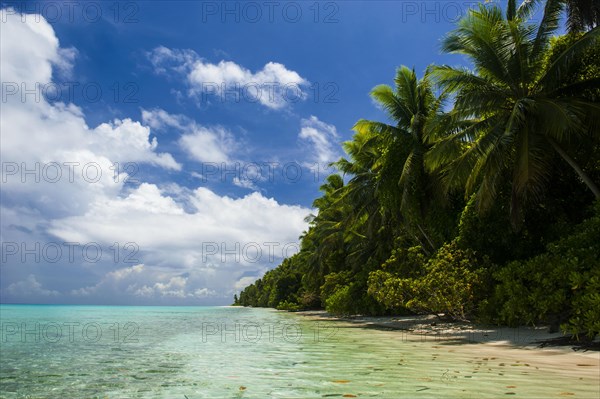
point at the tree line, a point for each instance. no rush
(479, 198)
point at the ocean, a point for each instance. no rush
(232, 352)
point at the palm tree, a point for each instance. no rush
(325, 237)
(366, 223)
(511, 113)
(582, 14)
(405, 186)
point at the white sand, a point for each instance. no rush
(502, 346)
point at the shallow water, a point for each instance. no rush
(226, 352)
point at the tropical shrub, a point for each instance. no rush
(560, 286)
(340, 302)
(452, 283)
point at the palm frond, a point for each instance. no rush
(548, 26)
(558, 69)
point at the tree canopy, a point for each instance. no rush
(477, 198)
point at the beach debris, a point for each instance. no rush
(242, 388)
(340, 381)
(422, 388)
(566, 394)
(349, 395)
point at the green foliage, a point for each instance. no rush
(389, 289)
(510, 117)
(452, 211)
(558, 286)
(405, 261)
(582, 69)
(289, 306)
(333, 282)
(585, 316)
(353, 299)
(340, 301)
(451, 283)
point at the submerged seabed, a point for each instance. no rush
(225, 352)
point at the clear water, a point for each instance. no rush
(225, 352)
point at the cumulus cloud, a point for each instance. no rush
(245, 183)
(214, 245)
(71, 163)
(193, 243)
(322, 140)
(273, 86)
(142, 283)
(30, 287)
(147, 213)
(202, 143)
(208, 144)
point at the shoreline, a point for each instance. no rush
(487, 347)
(430, 327)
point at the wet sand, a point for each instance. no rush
(485, 347)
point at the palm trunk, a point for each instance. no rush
(427, 252)
(586, 179)
(426, 237)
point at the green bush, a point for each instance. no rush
(340, 302)
(289, 306)
(389, 289)
(333, 282)
(451, 283)
(585, 317)
(405, 261)
(559, 287)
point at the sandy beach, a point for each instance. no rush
(486, 347)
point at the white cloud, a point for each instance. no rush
(202, 143)
(147, 213)
(55, 138)
(208, 144)
(321, 138)
(128, 141)
(273, 86)
(29, 287)
(170, 224)
(142, 282)
(245, 183)
(214, 244)
(244, 282)
(159, 119)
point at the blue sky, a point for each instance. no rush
(211, 124)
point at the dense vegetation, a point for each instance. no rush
(478, 200)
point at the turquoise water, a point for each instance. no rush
(226, 352)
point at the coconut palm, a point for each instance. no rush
(405, 187)
(511, 114)
(582, 14)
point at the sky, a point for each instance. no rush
(168, 153)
